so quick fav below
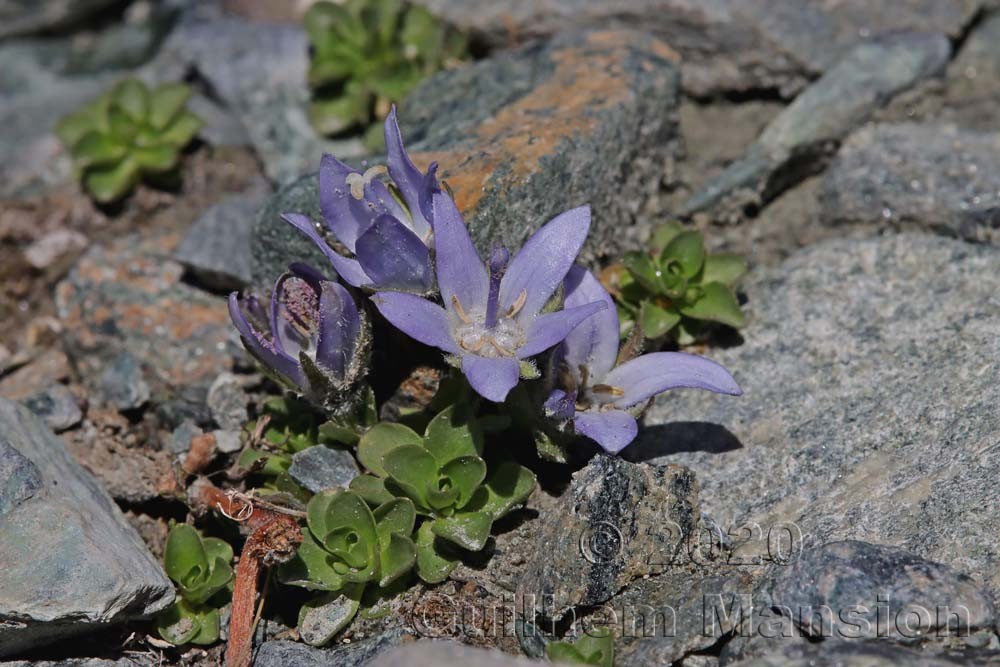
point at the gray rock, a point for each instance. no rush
(57, 406)
(228, 402)
(22, 17)
(227, 442)
(932, 177)
(661, 619)
(726, 45)
(281, 653)
(857, 654)
(973, 83)
(217, 247)
(69, 561)
(179, 441)
(320, 468)
(321, 622)
(869, 371)
(122, 384)
(523, 136)
(447, 654)
(843, 98)
(617, 522)
(259, 71)
(857, 590)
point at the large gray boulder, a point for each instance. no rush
(69, 562)
(870, 376)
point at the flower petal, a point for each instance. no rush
(542, 262)
(415, 186)
(418, 318)
(612, 429)
(560, 406)
(460, 271)
(343, 214)
(339, 326)
(594, 343)
(491, 378)
(348, 269)
(394, 257)
(551, 328)
(262, 349)
(286, 338)
(654, 373)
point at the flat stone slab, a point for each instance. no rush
(870, 376)
(69, 561)
(933, 176)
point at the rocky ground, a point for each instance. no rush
(849, 151)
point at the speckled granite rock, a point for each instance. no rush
(870, 376)
(320, 468)
(521, 137)
(843, 98)
(69, 562)
(281, 653)
(127, 295)
(935, 176)
(889, 593)
(858, 654)
(618, 521)
(446, 654)
(727, 45)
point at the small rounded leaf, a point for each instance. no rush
(382, 439)
(469, 530)
(434, 562)
(717, 304)
(95, 149)
(166, 103)
(725, 268)
(656, 321)
(688, 250)
(132, 97)
(108, 184)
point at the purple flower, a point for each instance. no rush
(596, 393)
(492, 319)
(389, 236)
(313, 339)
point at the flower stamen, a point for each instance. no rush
(457, 305)
(608, 389)
(518, 304)
(357, 182)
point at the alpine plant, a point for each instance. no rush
(384, 229)
(312, 338)
(492, 317)
(597, 395)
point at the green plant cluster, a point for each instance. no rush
(425, 500)
(201, 571)
(678, 289)
(126, 134)
(367, 54)
(594, 648)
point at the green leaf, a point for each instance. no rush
(155, 158)
(372, 489)
(656, 321)
(166, 103)
(414, 470)
(132, 97)
(397, 516)
(688, 250)
(643, 270)
(397, 557)
(664, 235)
(548, 449)
(463, 474)
(121, 125)
(469, 530)
(509, 484)
(724, 268)
(181, 130)
(325, 22)
(597, 647)
(95, 149)
(717, 304)
(311, 567)
(73, 127)
(338, 433)
(452, 434)
(382, 439)
(422, 32)
(334, 115)
(564, 652)
(386, 16)
(336, 65)
(216, 549)
(434, 563)
(184, 623)
(343, 525)
(184, 557)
